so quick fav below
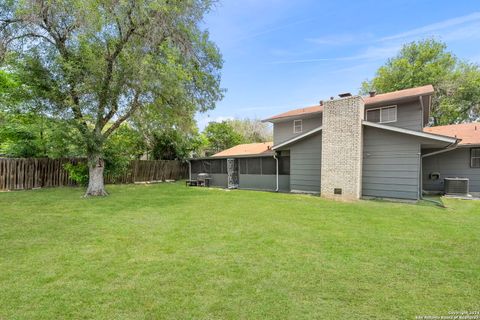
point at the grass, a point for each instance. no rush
(167, 251)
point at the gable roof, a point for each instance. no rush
(261, 149)
(297, 112)
(400, 95)
(394, 96)
(468, 132)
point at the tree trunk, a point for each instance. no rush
(96, 186)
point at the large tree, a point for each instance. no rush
(457, 83)
(252, 130)
(96, 63)
(221, 136)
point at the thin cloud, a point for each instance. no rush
(371, 53)
(464, 27)
(340, 39)
(305, 60)
(263, 108)
(434, 27)
(271, 30)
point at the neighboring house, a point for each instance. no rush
(352, 147)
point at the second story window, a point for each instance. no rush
(297, 126)
(382, 115)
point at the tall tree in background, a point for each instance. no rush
(31, 134)
(221, 136)
(457, 83)
(252, 130)
(173, 137)
(96, 63)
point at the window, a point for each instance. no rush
(475, 158)
(382, 115)
(297, 126)
(388, 114)
(373, 115)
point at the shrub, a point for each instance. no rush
(78, 172)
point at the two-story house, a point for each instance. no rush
(353, 147)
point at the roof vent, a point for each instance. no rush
(372, 93)
(344, 95)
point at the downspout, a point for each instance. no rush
(276, 170)
(450, 147)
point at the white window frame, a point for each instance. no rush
(295, 125)
(472, 157)
(381, 108)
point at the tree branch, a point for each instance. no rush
(30, 35)
(134, 106)
(111, 59)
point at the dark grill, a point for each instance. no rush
(203, 179)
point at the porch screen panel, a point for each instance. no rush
(284, 165)
(243, 166)
(269, 165)
(200, 166)
(216, 166)
(254, 166)
(224, 166)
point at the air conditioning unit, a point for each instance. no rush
(456, 186)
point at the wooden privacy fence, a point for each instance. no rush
(151, 170)
(18, 174)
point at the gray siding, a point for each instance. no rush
(409, 116)
(283, 131)
(218, 179)
(454, 163)
(264, 182)
(305, 164)
(391, 164)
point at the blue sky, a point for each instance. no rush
(286, 54)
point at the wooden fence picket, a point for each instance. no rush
(19, 173)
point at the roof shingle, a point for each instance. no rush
(400, 94)
(468, 132)
(379, 98)
(249, 149)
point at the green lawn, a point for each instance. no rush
(167, 251)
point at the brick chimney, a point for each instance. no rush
(342, 148)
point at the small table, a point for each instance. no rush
(205, 182)
(191, 183)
